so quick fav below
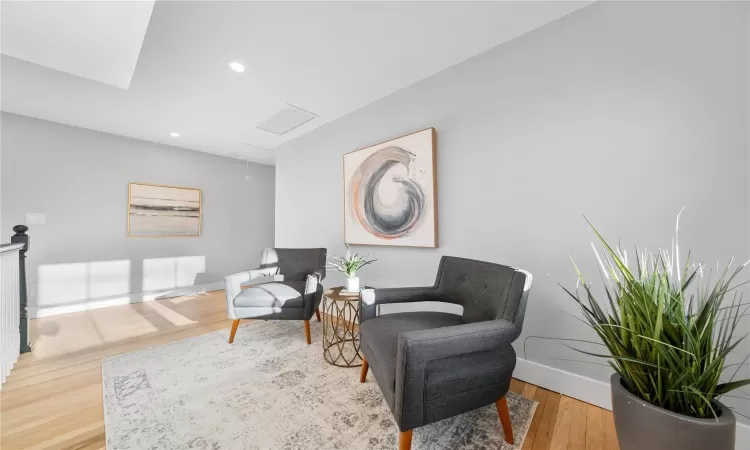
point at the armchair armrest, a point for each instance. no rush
(233, 283)
(263, 279)
(313, 292)
(311, 282)
(265, 275)
(233, 287)
(436, 343)
(369, 299)
(417, 348)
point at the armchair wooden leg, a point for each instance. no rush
(307, 332)
(363, 374)
(502, 411)
(235, 324)
(404, 440)
(317, 314)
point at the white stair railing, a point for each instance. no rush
(10, 314)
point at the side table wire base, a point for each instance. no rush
(340, 332)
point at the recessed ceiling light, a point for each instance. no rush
(237, 67)
(173, 134)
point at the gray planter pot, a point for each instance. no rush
(643, 426)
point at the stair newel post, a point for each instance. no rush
(22, 238)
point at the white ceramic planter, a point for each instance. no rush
(352, 284)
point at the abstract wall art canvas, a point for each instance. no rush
(163, 211)
(390, 192)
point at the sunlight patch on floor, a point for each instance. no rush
(58, 335)
(171, 315)
(179, 300)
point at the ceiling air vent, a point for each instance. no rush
(286, 120)
(257, 147)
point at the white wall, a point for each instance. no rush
(624, 111)
(79, 178)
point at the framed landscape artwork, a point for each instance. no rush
(163, 211)
(390, 195)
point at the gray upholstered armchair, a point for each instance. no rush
(286, 286)
(434, 365)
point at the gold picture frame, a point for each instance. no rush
(164, 211)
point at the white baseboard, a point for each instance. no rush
(137, 297)
(588, 390)
(577, 386)
(742, 440)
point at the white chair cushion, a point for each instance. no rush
(287, 294)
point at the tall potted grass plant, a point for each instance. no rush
(668, 325)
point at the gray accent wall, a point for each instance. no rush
(622, 111)
(81, 257)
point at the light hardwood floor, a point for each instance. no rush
(53, 397)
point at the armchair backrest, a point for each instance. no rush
(295, 263)
(486, 291)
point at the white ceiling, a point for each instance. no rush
(329, 58)
(95, 40)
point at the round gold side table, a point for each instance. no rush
(341, 328)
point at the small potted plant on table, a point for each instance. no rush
(349, 265)
(668, 330)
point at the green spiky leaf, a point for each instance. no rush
(668, 326)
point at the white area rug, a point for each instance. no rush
(269, 390)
